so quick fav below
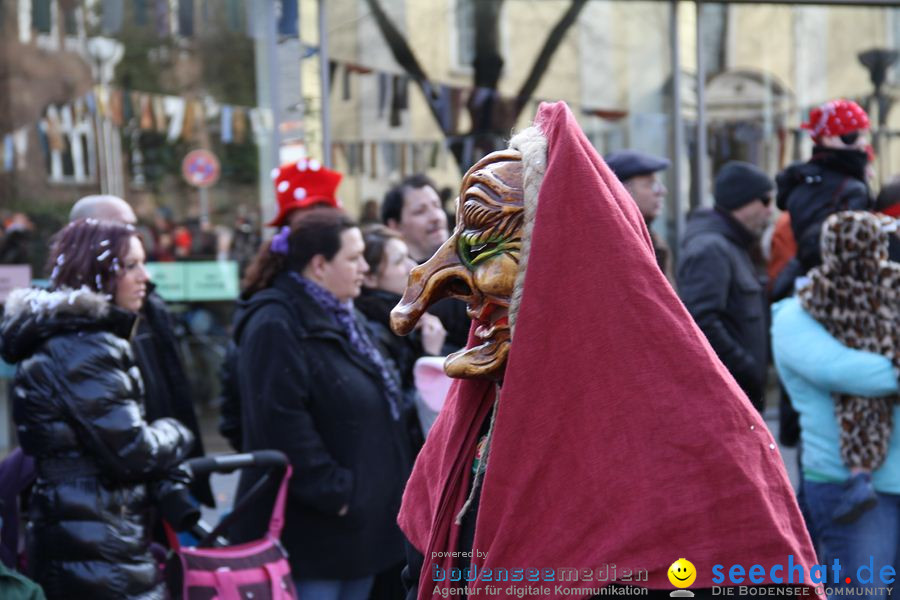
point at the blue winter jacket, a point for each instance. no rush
(813, 365)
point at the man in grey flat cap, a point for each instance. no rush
(637, 172)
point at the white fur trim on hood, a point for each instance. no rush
(46, 303)
(532, 144)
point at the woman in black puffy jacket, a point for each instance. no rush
(78, 411)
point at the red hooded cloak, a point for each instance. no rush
(620, 438)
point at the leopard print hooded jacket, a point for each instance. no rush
(855, 295)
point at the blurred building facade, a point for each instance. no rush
(618, 65)
(212, 77)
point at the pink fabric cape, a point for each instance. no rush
(620, 437)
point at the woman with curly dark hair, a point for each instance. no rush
(78, 409)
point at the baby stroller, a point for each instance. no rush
(215, 570)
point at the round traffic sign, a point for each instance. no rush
(200, 168)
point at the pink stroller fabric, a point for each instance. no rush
(258, 569)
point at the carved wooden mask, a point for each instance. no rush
(477, 264)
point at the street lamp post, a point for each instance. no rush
(878, 61)
(105, 53)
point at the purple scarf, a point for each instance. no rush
(342, 313)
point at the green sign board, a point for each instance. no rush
(213, 280)
(169, 279)
(195, 281)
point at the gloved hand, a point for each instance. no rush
(173, 500)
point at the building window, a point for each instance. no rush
(235, 16)
(463, 34)
(895, 29)
(70, 140)
(41, 19)
(714, 41)
(287, 18)
(186, 18)
(70, 21)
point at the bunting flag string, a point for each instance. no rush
(392, 95)
(388, 158)
(181, 118)
(178, 118)
(20, 145)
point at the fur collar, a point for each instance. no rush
(43, 303)
(532, 144)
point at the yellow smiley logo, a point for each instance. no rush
(682, 573)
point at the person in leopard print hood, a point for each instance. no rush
(837, 348)
(855, 294)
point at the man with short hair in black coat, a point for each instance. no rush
(413, 209)
(168, 391)
(717, 280)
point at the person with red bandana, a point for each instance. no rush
(832, 180)
(568, 441)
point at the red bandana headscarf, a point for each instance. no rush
(836, 117)
(620, 438)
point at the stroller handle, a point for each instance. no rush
(227, 463)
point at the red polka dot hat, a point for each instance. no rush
(836, 117)
(303, 184)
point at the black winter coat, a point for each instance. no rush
(456, 321)
(168, 391)
(77, 405)
(403, 350)
(307, 392)
(720, 287)
(833, 180)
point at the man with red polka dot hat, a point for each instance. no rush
(303, 184)
(832, 180)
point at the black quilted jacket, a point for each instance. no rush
(833, 180)
(77, 406)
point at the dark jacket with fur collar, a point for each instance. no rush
(167, 389)
(78, 410)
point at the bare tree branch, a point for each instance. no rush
(488, 67)
(403, 54)
(487, 63)
(543, 60)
